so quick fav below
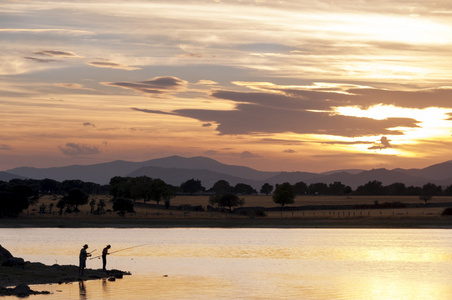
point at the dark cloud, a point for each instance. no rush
(289, 151)
(306, 100)
(5, 147)
(150, 111)
(345, 142)
(156, 85)
(408, 99)
(249, 119)
(106, 64)
(41, 60)
(88, 124)
(56, 53)
(72, 149)
(326, 98)
(210, 152)
(206, 124)
(248, 154)
(384, 143)
(311, 110)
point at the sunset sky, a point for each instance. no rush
(274, 85)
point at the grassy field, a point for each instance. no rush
(150, 216)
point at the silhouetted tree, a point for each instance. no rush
(318, 188)
(300, 188)
(396, 188)
(284, 194)
(92, 204)
(27, 192)
(122, 205)
(158, 190)
(11, 204)
(370, 188)
(221, 187)
(192, 186)
(230, 200)
(61, 205)
(100, 206)
(50, 186)
(266, 188)
(428, 191)
(244, 189)
(76, 197)
(336, 188)
(448, 191)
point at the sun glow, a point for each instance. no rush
(432, 124)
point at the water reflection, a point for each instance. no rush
(250, 263)
(82, 288)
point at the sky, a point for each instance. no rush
(291, 85)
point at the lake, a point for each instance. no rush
(206, 263)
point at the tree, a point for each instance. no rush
(448, 191)
(61, 204)
(230, 200)
(100, 206)
(11, 204)
(397, 188)
(26, 191)
(192, 186)
(244, 189)
(221, 187)
(92, 204)
(337, 188)
(158, 190)
(122, 205)
(284, 194)
(266, 188)
(300, 188)
(50, 186)
(370, 188)
(76, 197)
(428, 191)
(318, 188)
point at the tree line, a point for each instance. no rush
(17, 194)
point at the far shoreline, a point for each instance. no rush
(433, 222)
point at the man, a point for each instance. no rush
(104, 257)
(82, 257)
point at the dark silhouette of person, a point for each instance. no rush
(104, 257)
(82, 257)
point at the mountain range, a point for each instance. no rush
(176, 170)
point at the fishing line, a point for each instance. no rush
(98, 256)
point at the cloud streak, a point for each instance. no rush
(74, 149)
(157, 85)
(111, 65)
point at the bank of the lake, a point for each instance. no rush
(231, 222)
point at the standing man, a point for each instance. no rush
(82, 257)
(104, 257)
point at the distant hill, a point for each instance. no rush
(4, 176)
(176, 170)
(176, 176)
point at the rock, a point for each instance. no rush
(22, 289)
(4, 254)
(14, 262)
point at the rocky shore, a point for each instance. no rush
(16, 274)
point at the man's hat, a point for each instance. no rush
(85, 246)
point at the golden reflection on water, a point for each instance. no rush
(250, 263)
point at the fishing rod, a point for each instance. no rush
(98, 256)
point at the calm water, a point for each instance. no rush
(248, 263)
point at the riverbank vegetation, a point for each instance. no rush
(151, 202)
